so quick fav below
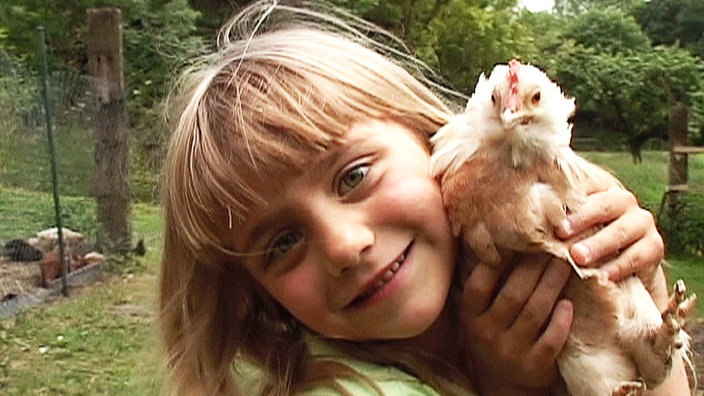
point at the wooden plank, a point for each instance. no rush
(684, 188)
(687, 150)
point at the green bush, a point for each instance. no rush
(685, 235)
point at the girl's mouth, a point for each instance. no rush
(383, 278)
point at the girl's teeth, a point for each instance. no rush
(388, 274)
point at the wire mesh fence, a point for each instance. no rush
(47, 128)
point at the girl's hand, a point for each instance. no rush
(511, 332)
(513, 323)
(628, 243)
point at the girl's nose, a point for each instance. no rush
(345, 242)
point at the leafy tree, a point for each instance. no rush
(213, 14)
(576, 7)
(468, 39)
(21, 19)
(158, 34)
(631, 94)
(460, 39)
(674, 21)
(621, 82)
(607, 31)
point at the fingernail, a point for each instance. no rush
(566, 226)
(582, 251)
(565, 306)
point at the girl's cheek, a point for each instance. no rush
(290, 293)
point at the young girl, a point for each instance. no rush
(307, 248)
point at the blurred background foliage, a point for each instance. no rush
(626, 62)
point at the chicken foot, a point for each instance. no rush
(655, 352)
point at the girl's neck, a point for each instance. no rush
(440, 340)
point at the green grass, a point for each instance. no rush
(100, 340)
(647, 180)
(25, 160)
(23, 213)
(691, 270)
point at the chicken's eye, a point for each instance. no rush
(536, 98)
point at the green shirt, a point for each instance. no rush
(391, 380)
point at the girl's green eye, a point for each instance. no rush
(281, 245)
(352, 178)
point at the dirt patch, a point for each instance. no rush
(18, 278)
(21, 284)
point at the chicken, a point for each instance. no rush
(508, 178)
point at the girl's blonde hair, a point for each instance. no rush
(284, 84)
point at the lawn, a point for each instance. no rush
(102, 340)
(648, 180)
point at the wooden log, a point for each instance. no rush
(687, 150)
(113, 193)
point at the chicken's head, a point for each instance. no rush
(529, 104)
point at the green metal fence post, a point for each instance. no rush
(52, 158)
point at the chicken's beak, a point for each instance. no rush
(511, 118)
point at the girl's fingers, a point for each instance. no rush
(598, 208)
(537, 310)
(517, 290)
(642, 258)
(551, 341)
(630, 227)
(480, 288)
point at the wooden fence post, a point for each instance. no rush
(679, 164)
(113, 193)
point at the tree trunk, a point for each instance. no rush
(113, 194)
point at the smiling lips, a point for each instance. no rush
(384, 278)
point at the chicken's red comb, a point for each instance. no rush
(511, 99)
(513, 66)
